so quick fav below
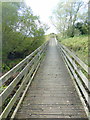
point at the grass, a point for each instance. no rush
(79, 45)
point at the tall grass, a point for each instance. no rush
(79, 45)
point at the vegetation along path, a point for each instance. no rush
(52, 93)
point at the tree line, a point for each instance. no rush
(22, 33)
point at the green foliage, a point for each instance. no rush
(79, 45)
(82, 27)
(2, 88)
(66, 16)
(9, 13)
(22, 33)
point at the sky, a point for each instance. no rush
(44, 9)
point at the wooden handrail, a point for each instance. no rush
(81, 63)
(76, 68)
(25, 69)
(10, 73)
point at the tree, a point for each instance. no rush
(66, 15)
(82, 27)
(9, 19)
(21, 30)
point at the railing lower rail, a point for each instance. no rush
(17, 81)
(79, 72)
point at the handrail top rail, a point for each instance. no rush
(80, 62)
(16, 67)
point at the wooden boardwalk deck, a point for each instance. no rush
(52, 93)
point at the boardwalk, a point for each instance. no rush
(52, 93)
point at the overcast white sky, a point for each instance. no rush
(44, 9)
